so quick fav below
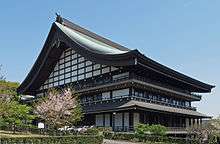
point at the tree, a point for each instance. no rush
(207, 132)
(13, 113)
(16, 115)
(59, 108)
(2, 77)
(8, 88)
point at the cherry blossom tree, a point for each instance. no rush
(59, 108)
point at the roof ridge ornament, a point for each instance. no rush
(59, 19)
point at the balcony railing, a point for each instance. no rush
(132, 97)
(87, 84)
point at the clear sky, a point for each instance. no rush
(181, 34)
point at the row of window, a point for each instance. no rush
(157, 97)
(106, 95)
(142, 94)
(66, 72)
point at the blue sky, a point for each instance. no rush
(183, 34)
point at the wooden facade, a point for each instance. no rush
(118, 87)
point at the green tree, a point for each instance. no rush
(16, 115)
(13, 113)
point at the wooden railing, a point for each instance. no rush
(132, 97)
(86, 84)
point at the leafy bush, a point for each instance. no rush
(9, 88)
(146, 138)
(213, 139)
(54, 140)
(158, 130)
(92, 131)
(142, 129)
(105, 129)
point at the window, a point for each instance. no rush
(74, 56)
(68, 69)
(56, 84)
(68, 52)
(74, 61)
(80, 65)
(61, 77)
(80, 77)
(61, 66)
(67, 58)
(81, 59)
(67, 64)
(74, 78)
(96, 66)
(67, 75)
(88, 75)
(88, 68)
(74, 73)
(67, 80)
(56, 73)
(88, 63)
(97, 72)
(106, 95)
(62, 71)
(80, 71)
(105, 70)
(61, 82)
(74, 67)
(120, 93)
(56, 78)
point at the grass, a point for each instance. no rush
(18, 134)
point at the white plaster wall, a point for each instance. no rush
(136, 118)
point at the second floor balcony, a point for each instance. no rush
(105, 81)
(110, 100)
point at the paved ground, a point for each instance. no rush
(117, 142)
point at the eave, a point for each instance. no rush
(58, 40)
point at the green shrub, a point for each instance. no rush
(146, 138)
(54, 140)
(142, 129)
(158, 130)
(104, 129)
(92, 131)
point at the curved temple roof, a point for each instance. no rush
(65, 34)
(89, 43)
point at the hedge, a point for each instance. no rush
(53, 140)
(146, 138)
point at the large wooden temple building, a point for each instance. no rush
(118, 87)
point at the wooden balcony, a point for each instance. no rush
(132, 97)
